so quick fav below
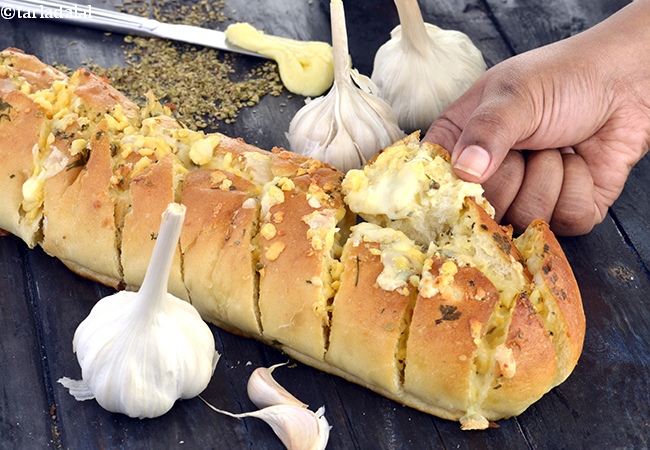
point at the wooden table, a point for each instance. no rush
(605, 403)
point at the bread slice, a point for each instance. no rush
(449, 323)
(298, 250)
(219, 256)
(523, 368)
(80, 227)
(150, 193)
(95, 97)
(19, 70)
(555, 294)
(372, 308)
(21, 120)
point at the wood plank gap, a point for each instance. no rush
(349, 422)
(497, 26)
(630, 244)
(522, 431)
(33, 300)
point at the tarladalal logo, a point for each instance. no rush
(43, 12)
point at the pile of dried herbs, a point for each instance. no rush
(199, 84)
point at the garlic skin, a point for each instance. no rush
(348, 125)
(140, 352)
(423, 68)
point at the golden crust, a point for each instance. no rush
(151, 191)
(292, 307)
(559, 292)
(216, 242)
(445, 334)
(20, 122)
(80, 228)
(98, 95)
(529, 346)
(368, 322)
(34, 71)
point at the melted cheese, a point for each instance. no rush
(401, 258)
(406, 184)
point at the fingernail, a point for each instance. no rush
(473, 160)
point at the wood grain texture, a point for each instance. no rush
(605, 403)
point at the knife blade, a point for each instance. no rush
(113, 21)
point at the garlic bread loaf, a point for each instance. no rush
(427, 301)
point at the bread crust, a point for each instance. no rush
(528, 346)
(98, 95)
(293, 297)
(369, 323)
(218, 251)
(449, 322)
(17, 112)
(151, 192)
(34, 71)
(559, 291)
(80, 228)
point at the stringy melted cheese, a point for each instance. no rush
(401, 258)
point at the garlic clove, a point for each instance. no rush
(264, 391)
(140, 352)
(346, 127)
(298, 428)
(423, 68)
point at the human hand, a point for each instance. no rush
(553, 133)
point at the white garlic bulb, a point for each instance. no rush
(140, 352)
(423, 68)
(351, 123)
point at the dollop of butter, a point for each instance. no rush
(306, 67)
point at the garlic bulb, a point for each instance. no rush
(423, 68)
(348, 125)
(297, 427)
(140, 352)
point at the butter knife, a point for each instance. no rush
(113, 21)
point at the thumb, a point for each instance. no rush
(495, 126)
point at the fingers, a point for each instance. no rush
(443, 132)
(447, 128)
(502, 187)
(504, 118)
(553, 185)
(575, 212)
(539, 191)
